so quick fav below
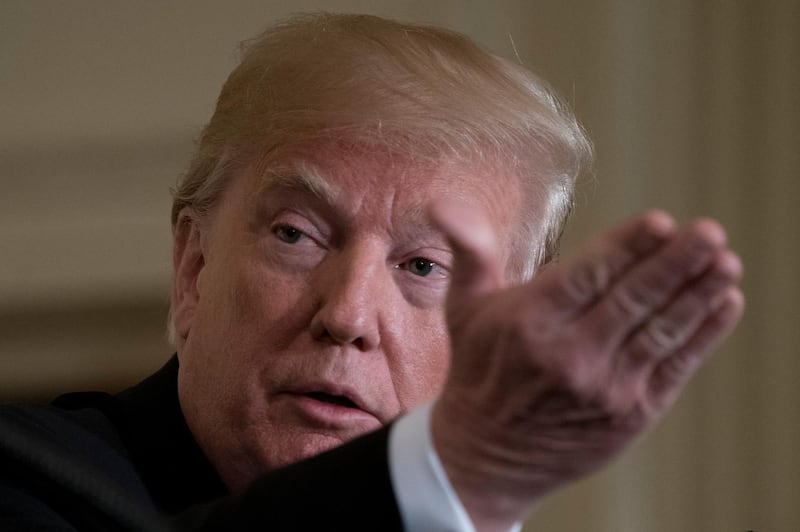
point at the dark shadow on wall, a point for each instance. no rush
(104, 347)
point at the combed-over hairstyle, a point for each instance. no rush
(427, 92)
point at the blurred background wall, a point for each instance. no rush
(694, 107)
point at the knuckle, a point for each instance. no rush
(588, 277)
(663, 336)
(630, 300)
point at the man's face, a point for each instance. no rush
(310, 306)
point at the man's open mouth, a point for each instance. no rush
(339, 400)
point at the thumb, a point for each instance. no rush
(477, 266)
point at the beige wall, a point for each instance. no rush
(693, 105)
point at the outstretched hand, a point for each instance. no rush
(552, 378)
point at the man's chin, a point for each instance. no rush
(301, 443)
(300, 435)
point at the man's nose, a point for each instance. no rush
(352, 294)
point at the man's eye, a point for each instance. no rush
(288, 234)
(420, 266)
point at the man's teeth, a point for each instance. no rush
(333, 399)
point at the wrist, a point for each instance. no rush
(489, 477)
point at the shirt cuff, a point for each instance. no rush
(424, 494)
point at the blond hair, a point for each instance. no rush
(422, 90)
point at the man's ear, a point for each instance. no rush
(187, 261)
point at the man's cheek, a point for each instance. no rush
(250, 295)
(425, 379)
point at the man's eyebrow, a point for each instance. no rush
(304, 177)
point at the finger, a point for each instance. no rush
(671, 373)
(477, 265)
(567, 289)
(666, 332)
(655, 281)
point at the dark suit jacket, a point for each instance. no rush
(92, 461)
